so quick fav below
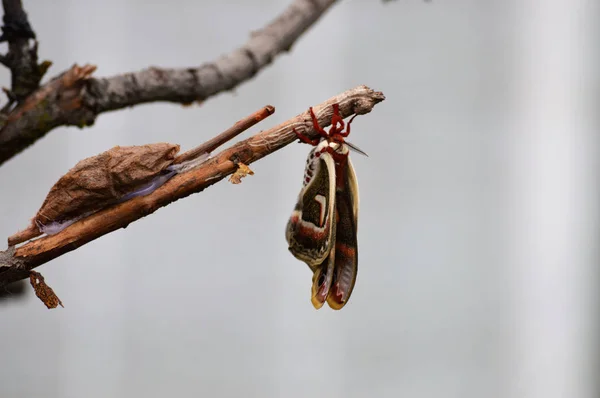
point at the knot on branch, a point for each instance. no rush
(60, 97)
(363, 104)
(73, 84)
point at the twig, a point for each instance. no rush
(238, 128)
(16, 24)
(33, 231)
(22, 57)
(15, 263)
(90, 97)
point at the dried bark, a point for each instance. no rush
(15, 263)
(97, 181)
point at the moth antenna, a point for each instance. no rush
(356, 149)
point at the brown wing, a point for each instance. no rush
(322, 279)
(346, 243)
(310, 231)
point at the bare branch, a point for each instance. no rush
(34, 119)
(15, 263)
(22, 57)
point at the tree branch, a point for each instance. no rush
(22, 56)
(88, 97)
(207, 147)
(15, 263)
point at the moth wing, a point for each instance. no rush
(310, 231)
(353, 187)
(346, 243)
(322, 280)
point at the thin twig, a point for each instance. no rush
(88, 97)
(22, 57)
(15, 263)
(238, 128)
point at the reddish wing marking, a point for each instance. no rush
(346, 244)
(322, 280)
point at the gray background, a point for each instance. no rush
(478, 229)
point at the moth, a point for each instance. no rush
(322, 230)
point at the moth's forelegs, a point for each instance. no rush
(316, 124)
(305, 139)
(336, 119)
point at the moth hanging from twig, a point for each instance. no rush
(322, 230)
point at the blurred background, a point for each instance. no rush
(478, 255)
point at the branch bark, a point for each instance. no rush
(15, 263)
(33, 230)
(22, 57)
(88, 97)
